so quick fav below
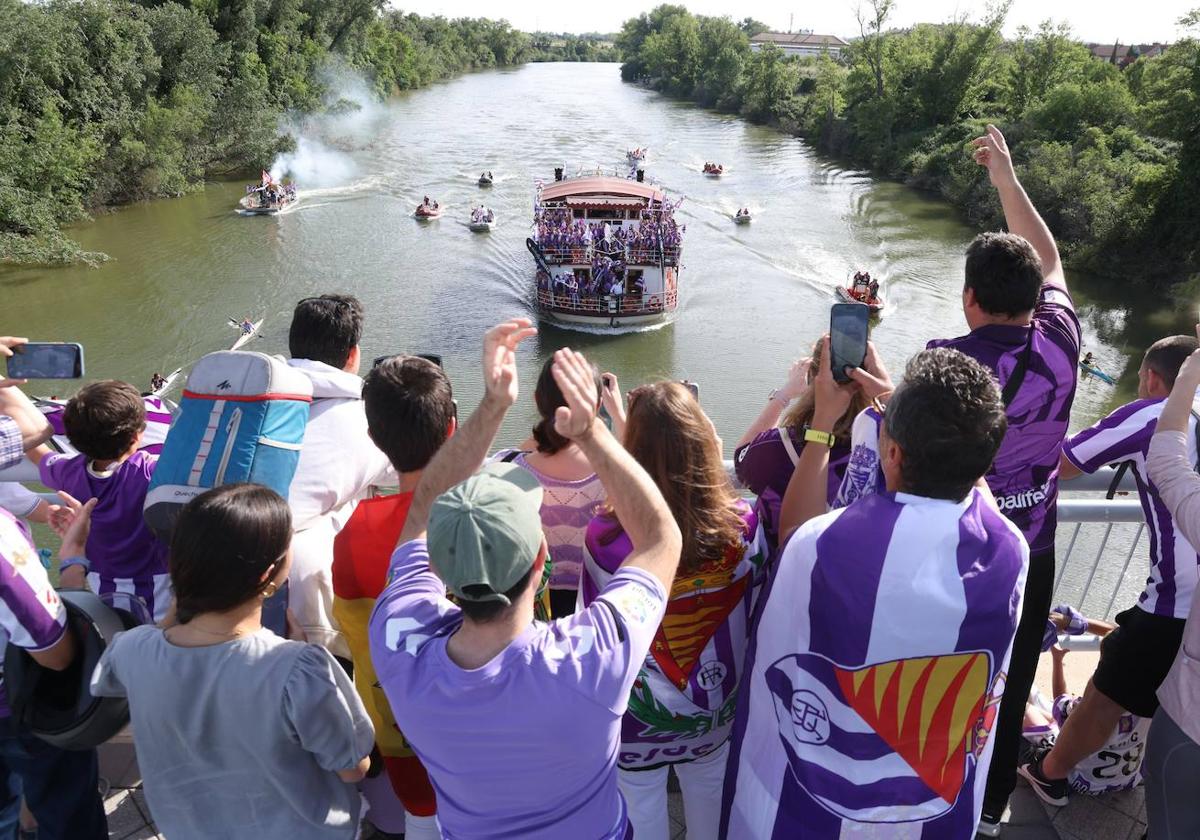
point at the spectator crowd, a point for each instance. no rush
(527, 643)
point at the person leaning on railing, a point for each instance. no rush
(1172, 762)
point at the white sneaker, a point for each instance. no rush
(989, 826)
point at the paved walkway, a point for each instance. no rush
(1120, 816)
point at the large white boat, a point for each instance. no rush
(607, 251)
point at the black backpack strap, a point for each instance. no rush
(1018, 372)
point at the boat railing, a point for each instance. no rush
(607, 304)
(582, 255)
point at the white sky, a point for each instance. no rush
(1130, 21)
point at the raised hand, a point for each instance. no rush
(830, 399)
(797, 381)
(873, 377)
(74, 536)
(7, 342)
(500, 359)
(991, 152)
(573, 374)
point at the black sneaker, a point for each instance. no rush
(1051, 791)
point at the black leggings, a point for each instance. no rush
(1027, 648)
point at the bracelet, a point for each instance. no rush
(78, 560)
(814, 436)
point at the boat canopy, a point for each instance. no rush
(601, 187)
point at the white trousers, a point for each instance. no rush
(701, 782)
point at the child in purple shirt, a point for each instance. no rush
(105, 422)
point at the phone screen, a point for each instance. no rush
(46, 360)
(847, 337)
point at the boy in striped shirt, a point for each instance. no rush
(1134, 658)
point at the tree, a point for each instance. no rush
(871, 47)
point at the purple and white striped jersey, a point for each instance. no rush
(31, 614)
(1024, 476)
(864, 472)
(1125, 435)
(874, 673)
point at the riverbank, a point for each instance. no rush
(1108, 155)
(109, 102)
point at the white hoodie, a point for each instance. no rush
(338, 466)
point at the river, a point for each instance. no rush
(752, 298)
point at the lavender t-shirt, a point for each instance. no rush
(125, 556)
(526, 745)
(1024, 476)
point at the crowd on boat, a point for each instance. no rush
(864, 289)
(271, 193)
(528, 642)
(711, 168)
(483, 215)
(559, 233)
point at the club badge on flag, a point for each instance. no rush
(888, 742)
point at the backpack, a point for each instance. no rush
(241, 418)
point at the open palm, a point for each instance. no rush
(573, 374)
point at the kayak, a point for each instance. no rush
(1096, 372)
(245, 337)
(844, 294)
(166, 386)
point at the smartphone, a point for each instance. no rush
(430, 357)
(46, 360)
(847, 337)
(691, 386)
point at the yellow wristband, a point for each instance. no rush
(814, 436)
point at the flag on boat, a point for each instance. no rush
(266, 178)
(854, 717)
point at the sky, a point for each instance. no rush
(1130, 21)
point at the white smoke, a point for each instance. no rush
(325, 140)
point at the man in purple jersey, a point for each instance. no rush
(1023, 329)
(59, 786)
(1134, 658)
(517, 722)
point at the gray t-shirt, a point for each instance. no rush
(241, 739)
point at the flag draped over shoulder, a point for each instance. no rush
(875, 672)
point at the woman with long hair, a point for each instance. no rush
(571, 493)
(768, 452)
(240, 733)
(681, 708)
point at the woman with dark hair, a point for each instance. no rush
(571, 493)
(768, 452)
(239, 733)
(681, 709)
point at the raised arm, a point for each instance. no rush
(467, 448)
(796, 384)
(634, 497)
(991, 151)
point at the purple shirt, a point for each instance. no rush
(1125, 435)
(1024, 476)
(526, 745)
(31, 614)
(764, 466)
(124, 555)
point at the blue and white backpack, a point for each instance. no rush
(241, 418)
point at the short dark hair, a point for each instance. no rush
(224, 541)
(326, 328)
(104, 419)
(1167, 355)
(949, 422)
(409, 406)
(482, 612)
(548, 398)
(1005, 273)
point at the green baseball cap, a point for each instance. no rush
(486, 531)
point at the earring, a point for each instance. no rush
(270, 589)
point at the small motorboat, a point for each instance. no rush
(714, 170)
(741, 218)
(482, 222)
(425, 212)
(246, 334)
(485, 180)
(875, 304)
(267, 200)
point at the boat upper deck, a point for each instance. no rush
(602, 190)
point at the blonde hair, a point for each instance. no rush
(799, 414)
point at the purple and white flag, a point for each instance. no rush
(875, 671)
